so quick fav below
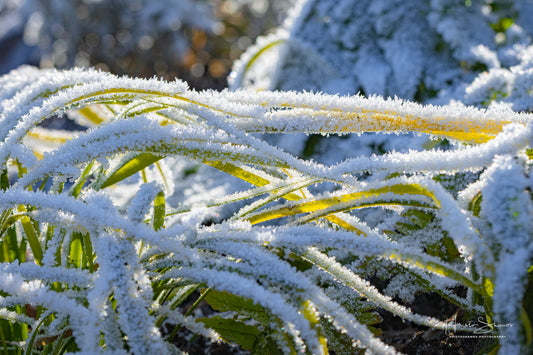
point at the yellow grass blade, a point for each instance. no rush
(344, 202)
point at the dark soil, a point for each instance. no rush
(406, 337)
(410, 338)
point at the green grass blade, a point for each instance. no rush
(233, 331)
(33, 239)
(309, 313)
(31, 341)
(247, 175)
(4, 180)
(76, 250)
(76, 189)
(62, 346)
(159, 211)
(133, 166)
(436, 268)
(88, 256)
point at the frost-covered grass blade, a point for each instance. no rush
(101, 233)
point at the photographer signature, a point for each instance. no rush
(481, 327)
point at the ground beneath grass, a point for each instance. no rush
(406, 337)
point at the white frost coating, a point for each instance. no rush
(123, 273)
(249, 288)
(33, 291)
(77, 86)
(264, 264)
(510, 141)
(34, 272)
(374, 104)
(507, 205)
(15, 317)
(94, 217)
(365, 288)
(169, 120)
(399, 44)
(302, 237)
(510, 283)
(431, 51)
(140, 204)
(49, 257)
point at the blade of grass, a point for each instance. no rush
(343, 202)
(31, 341)
(76, 189)
(133, 166)
(32, 237)
(159, 211)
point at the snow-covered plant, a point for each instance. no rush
(413, 50)
(99, 247)
(430, 51)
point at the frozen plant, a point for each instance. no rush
(89, 272)
(423, 50)
(413, 50)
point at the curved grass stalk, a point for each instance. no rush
(30, 271)
(343, 207)
(388, 195)
(436, 268)
(201, 149)
(366, 290)
(275, 190)
(370, 243)
(245, 175)
(242, 66)
(323, 122)
(512, 140)
(433, 125)
(395, 168)
(243, 172)
(158, 93)
(326, 114)
(91, 218)
(284, 192)
(361, 286)
(225, 281)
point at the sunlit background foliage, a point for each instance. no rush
(194, 40)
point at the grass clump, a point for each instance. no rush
(97, 254)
